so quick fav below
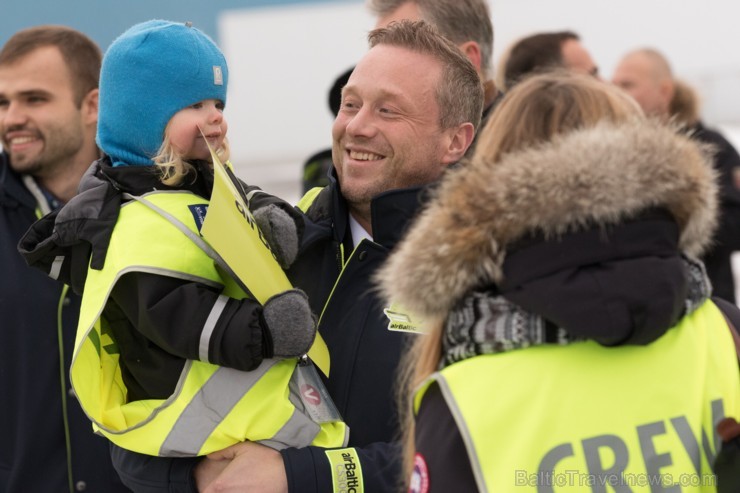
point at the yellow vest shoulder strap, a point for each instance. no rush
(308, 198)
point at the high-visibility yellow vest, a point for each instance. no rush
(212, 407)
(583, 417)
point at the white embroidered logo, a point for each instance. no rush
(218, 75)
(399, 321)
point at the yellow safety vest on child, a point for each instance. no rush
(212, 407)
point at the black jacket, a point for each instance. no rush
(364, 353)
(34, 384)
(727, 238)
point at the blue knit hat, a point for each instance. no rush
(149, 73)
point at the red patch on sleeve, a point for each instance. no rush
(420, 476)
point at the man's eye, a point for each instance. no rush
(350, 105)
(4, 103)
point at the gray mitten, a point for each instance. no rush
(281, 232)
(290, 323)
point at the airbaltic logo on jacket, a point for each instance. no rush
(346, 470)
(400, 321)
(199, 214)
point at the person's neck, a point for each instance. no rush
(490, 91)
(64, 180)
(361, 214)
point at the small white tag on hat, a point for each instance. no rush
(218, 75)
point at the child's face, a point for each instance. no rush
(184, 129)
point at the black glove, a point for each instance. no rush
(282, 230)
(289, 326)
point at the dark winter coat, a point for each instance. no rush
(364, 353)
(39, 322)
(727, 237)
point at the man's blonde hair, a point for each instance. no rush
(460, 92)
(457, 20)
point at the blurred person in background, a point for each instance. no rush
(646, 75)
(541, 52)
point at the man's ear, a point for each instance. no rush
(89, 107)
(460, 139)
(471, 49)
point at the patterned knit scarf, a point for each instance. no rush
(484, 323)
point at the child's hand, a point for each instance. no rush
(282, 232)
(288, 324)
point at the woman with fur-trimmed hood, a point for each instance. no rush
(572, 341)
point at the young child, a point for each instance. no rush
(172, 358)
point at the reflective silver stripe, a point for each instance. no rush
(35, 190)
(176, 223)
(213, 402)
(56, 267)
(464, 432)
(252, 193)
(300, 429)
(205, 335)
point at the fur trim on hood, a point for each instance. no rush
(596, 176)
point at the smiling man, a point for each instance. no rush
(408, 112)
(467, 23)
(389, 132)
(48, 115)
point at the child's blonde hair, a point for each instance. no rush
(174, 168)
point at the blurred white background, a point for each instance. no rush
(285, 54)
(284, 59)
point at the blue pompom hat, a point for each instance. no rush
(149, 73)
